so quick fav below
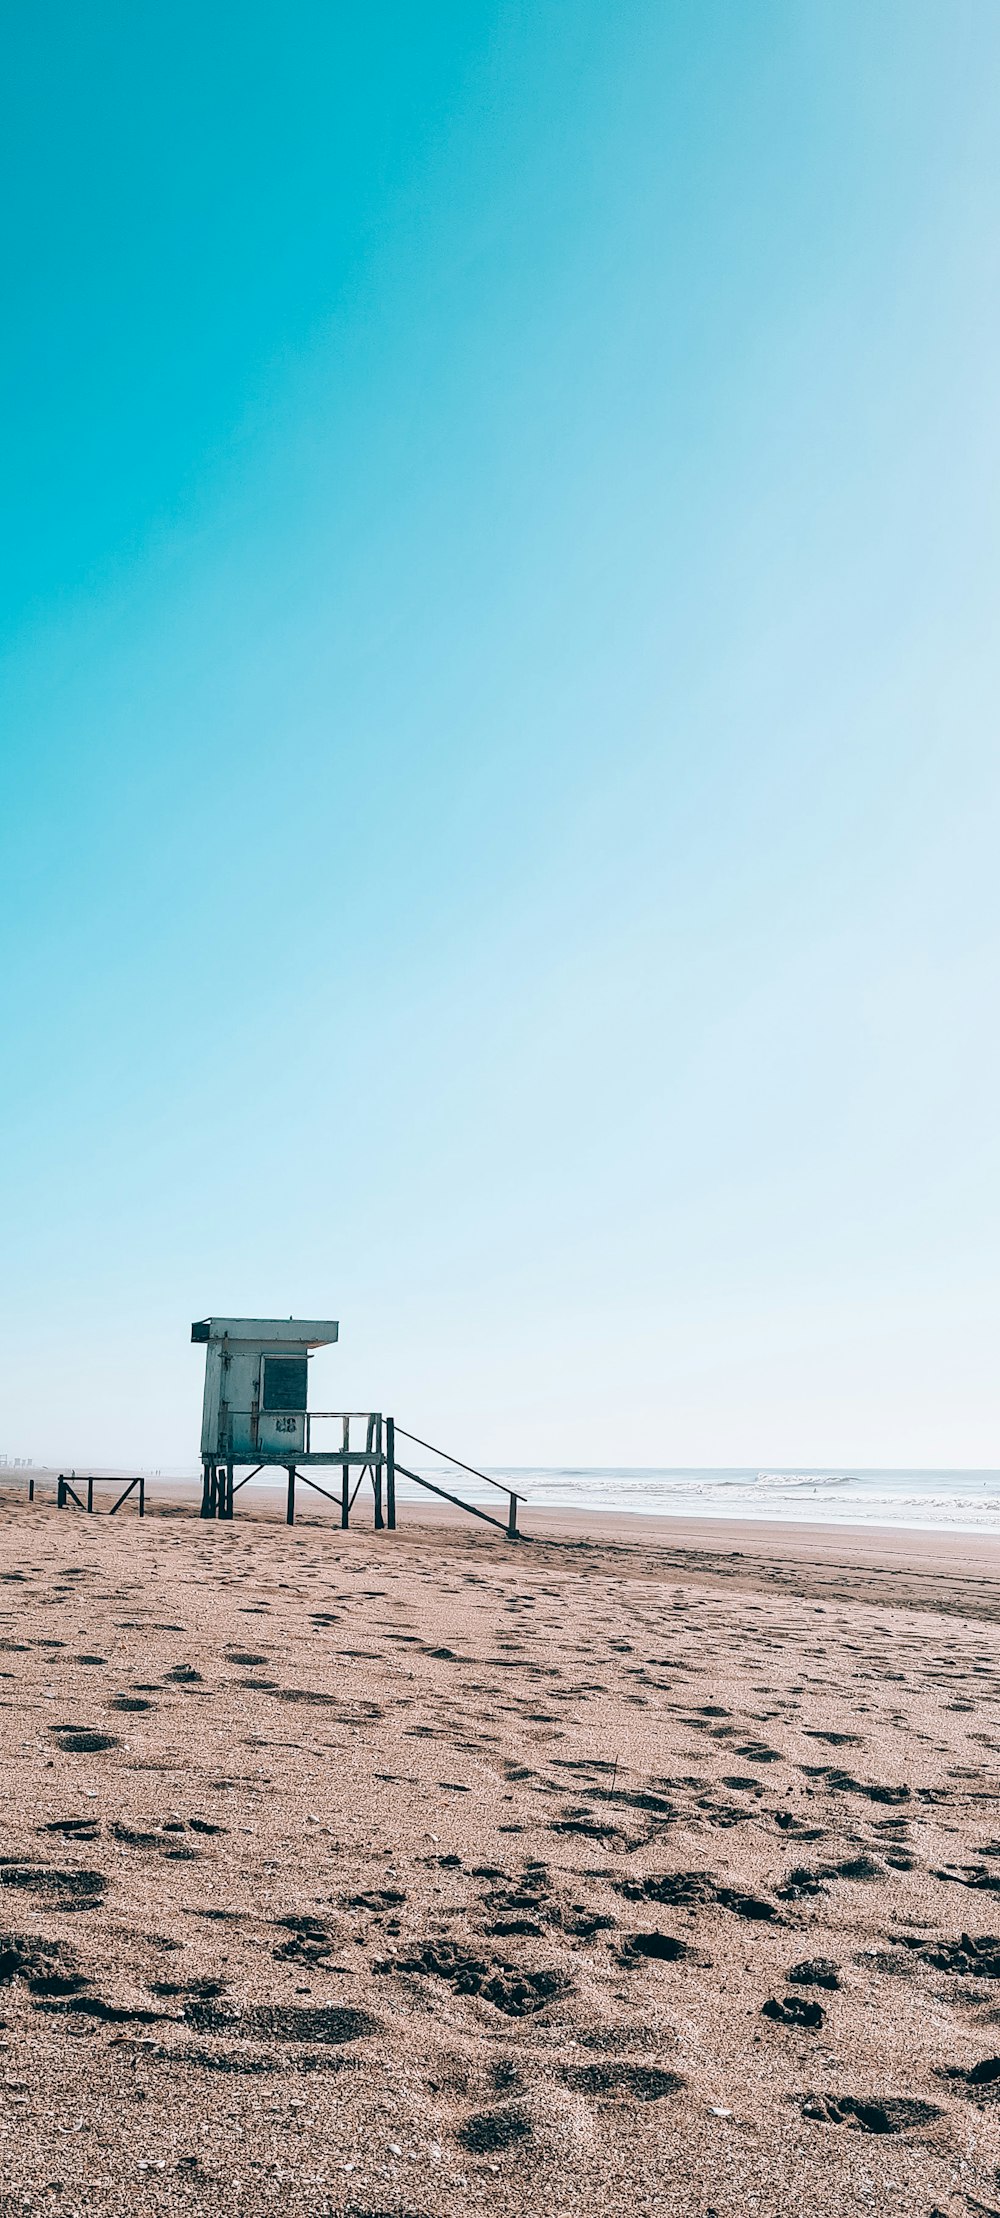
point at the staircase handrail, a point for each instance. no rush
(501, 1485)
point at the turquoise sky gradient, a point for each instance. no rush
(499, 768)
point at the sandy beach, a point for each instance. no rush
(645, 1867)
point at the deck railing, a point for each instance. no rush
(376, 1459)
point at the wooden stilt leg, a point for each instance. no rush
(290, 1510)
(390, 1473)
(377, 1475)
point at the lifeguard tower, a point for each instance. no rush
(256, 1417)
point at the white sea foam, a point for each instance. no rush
(802, 1478)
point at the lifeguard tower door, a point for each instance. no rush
(282, 1395)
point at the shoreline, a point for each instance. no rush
(713, 1531)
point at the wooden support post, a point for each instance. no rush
(31, 1490)
(228, 1508)
(90, 1495)
(142, 1496)
(208, 1490)
(345, 1476)
(377, 1476)
(512, 1532)
(61, 1493)
(390, 1473)
(290, 1510)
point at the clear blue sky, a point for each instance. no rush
(499, 768)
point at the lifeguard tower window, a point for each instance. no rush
(285, 1382)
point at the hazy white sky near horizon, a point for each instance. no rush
(498, 762)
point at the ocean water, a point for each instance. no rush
(953, 1501)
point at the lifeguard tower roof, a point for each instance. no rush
(303, 1332)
